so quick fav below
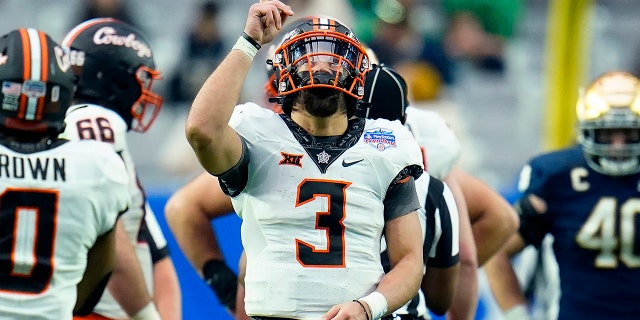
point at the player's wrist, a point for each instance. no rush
(517, 312)
(149, 312)
(377, 304)
(222, 280)
(247, 45)
(366, 312)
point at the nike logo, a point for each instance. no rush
(347, 164)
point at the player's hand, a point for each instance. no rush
(346, 311)
(223, 281)
(265, 20)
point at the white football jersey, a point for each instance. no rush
(436, 139)
(89, 121)
(312, 235)
(53, 206)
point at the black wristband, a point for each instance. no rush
(223, 281)
(251, 40)
(363, 308)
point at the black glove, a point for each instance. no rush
(223, 281)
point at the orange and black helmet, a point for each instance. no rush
(116, 69)
(320, 39)
(37, 83)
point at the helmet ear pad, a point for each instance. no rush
(110, 88)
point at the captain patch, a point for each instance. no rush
(380, 138)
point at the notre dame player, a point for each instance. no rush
(587, 196)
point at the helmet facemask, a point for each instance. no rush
(146, 108)
(610, 108)
(321, 53)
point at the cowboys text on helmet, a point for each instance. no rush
(108, 35)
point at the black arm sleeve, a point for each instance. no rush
(533, 225)
(401, 199)
(235, 179)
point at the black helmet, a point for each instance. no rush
(385, 95)
(37, 83)
(115, 66)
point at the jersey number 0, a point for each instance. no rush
(28, 228)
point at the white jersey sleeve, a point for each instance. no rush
(438, 142)
(94, 122)
(54, 205)
(313, 213)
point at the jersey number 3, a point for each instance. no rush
(331, 221)
(28, 227)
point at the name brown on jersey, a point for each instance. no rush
(40, 168)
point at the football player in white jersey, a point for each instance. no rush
(116, 70)
(316, 190)
(59, 199)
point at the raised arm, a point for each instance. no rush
(217, 146)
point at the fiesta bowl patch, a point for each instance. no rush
(380, 138)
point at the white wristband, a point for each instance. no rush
(246, 47)
(149, 312)
(377, 304)
(518, 312)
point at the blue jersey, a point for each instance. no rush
(594, 219)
